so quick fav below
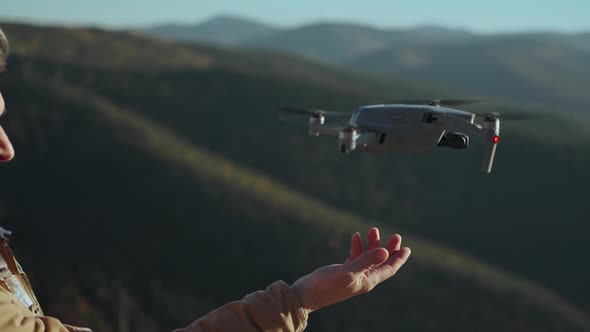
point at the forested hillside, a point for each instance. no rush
(146, 193)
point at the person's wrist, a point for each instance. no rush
(298, 289)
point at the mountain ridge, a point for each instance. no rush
(212, 171)
(222, 29)
(500, 65)
(415, 193)
(403, 192)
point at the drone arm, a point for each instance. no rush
(488, 160)
(329, 130)
(490, 135)
(318, 127)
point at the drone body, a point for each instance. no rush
(409, 127)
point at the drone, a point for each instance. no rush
(410, 126)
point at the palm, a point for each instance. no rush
(361, 272)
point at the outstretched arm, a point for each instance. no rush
(285, 308)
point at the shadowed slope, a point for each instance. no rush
(116, 152)
(169, 227)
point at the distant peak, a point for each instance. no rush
(438, 28)
(233, 20)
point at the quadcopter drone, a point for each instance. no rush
(410, 126)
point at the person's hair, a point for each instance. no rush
(3, 50)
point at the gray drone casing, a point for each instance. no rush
(409, 128)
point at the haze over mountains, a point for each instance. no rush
(166, 161)
(224, 30)
(545, 68)
(322, 41)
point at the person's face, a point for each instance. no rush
(6, 149)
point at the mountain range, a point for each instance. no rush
(154, 182)
(544, 68)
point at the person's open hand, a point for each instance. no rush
(360, 273)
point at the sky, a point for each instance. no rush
(479, 16)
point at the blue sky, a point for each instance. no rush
(481, 16)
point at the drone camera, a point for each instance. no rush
(454, 141)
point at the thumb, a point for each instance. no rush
(368, 260)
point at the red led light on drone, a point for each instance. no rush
(496, 139)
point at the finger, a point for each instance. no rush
(391, 266)
(394, 243)
(356, 247)
(373, 238)
(367, 261)
(77, 329)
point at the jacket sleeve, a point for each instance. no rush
(14, 317)
(275, 309)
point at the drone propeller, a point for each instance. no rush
(311, 111)
(438, 102)
(507, 116)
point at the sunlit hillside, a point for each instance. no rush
(435, 195)
(172, 172)
(544, 68)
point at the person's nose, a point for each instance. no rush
(6, 149)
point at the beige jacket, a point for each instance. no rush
(15, 294)
(275, 309)
(15, 317)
